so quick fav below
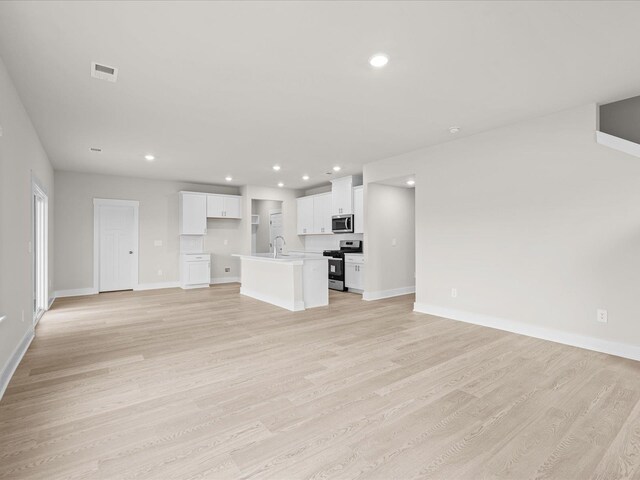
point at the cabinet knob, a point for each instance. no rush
(130, 252)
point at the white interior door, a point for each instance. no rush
(117, 249)
(275, 229)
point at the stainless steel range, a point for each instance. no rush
(336, 262)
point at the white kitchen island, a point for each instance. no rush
(294, 282)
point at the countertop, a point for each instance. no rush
(282, 258)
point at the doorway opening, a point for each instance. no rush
(115, 245)
(40, 250)
(391, 238)
(266, 225)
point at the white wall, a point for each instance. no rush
(158, 221)
(533, 223)
(319, 243)
(21, 154)
(390, 217)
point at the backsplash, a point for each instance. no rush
(328, 242)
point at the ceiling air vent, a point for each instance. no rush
(104, 72)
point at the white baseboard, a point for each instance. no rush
(582, 341)
(75, 292)
(156, 285)
(217, 280)
(194, 286)
(395, 292)
(51, 300)
(291, 306)
(14, 360)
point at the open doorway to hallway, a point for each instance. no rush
(390, 238)
(39, 245)
(266, 225)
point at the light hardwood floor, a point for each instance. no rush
(208, 384)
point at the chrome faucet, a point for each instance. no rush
(275, 245)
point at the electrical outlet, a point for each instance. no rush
(159, 272)
(602, 315)
(227, 269)
(454, 292)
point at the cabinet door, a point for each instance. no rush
(215, 206)
(232, 207)
(305, 215)
(326, 213)
(358, 210)
(342, 196)
(322, 213)
(350, 275)
(193, 214)
(197, 273)
(354, 276)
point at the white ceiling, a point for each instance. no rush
(231, 88)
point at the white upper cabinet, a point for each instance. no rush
(193, 213)
(224, 206)
(305, 215)
(322, 213)
(233, 206)
(342, 196)
(314, 214)
(358, 209)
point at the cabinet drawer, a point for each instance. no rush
(196, 258)
(354, 258)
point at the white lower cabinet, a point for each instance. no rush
(195, 270)
(354, 272)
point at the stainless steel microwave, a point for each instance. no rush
(342, 224)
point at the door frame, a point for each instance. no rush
(101, 202)
(38, 190)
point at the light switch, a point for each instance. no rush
(157, 243)
(393, 242)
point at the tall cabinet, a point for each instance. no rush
(193, 213)
(194, 209)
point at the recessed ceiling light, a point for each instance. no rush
(149, 157)
(305, 177)
(280, 184)
(337, 168)
(411, 182)
(228, 178)
(454, 129)
(379, 60)
(276, 167)
(95, 149)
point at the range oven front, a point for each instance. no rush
(336, 273)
